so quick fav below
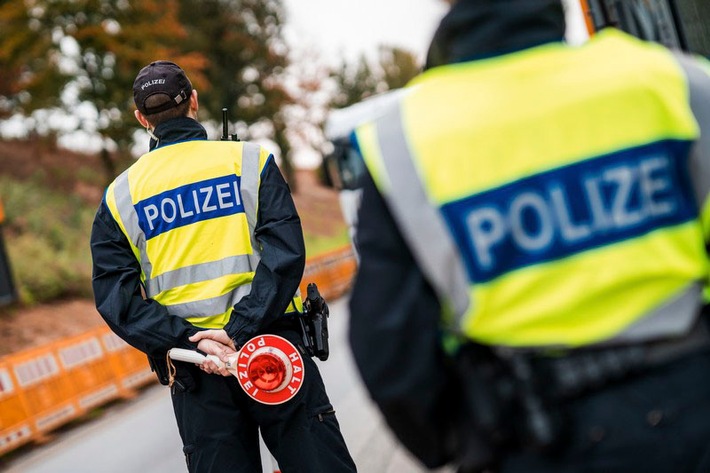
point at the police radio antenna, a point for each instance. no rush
(225, 127)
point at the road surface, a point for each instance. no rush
(141, 436)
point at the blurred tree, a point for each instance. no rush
(398, 66)
(28, 60)
(355, 82)
(246, 61)
(309, 81)
(61, 53)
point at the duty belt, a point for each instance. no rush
(583, 370)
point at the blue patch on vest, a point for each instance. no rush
(571, 209)
(188, 204)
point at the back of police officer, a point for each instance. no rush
(209, 232)
(532, 240)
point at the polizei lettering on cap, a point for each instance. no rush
(572, 209)
(152, 82)
(188, 204)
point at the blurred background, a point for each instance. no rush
(67, 129)
(281, 68)
(66, 107)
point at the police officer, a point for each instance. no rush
(208, 231)
(532, 240)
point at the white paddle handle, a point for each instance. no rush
(192, 356)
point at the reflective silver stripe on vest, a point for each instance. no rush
(198, 272)
(250, 193)
(251, 173)
(124, 204)
(421, 223)
(209, 307)
(699, 88)
(675, 317)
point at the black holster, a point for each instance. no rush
(504, 409)
(314, 324)
(483, 429)
(513, 399)
(184, 379)
(159, 366)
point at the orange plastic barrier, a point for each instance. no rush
(15, 427)
(129, 365)
(46, 387)
(333, 273)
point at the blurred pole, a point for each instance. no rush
(677, 24)
(8, 294)
(694, 16)
(579, 21)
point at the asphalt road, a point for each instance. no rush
(140, 435)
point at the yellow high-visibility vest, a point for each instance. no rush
(554, 197)
(191, 226)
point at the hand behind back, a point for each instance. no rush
(214, 342)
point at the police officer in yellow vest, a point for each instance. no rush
(532, 239)
(208, 231)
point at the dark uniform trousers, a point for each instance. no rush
(219, 424)
(656, 422)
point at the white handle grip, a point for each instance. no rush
(192, 356)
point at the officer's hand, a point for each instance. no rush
(220, 350)
(216, 335)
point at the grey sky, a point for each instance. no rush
(344, 29)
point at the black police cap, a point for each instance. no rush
(161, 77)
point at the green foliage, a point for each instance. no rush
(246, 57)
(317, 244)
(356, 82)
(47, 238)
(29, 76)
(115, 40)
(93, 48)
(245, 54)
(398, 67)
(232, 50)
